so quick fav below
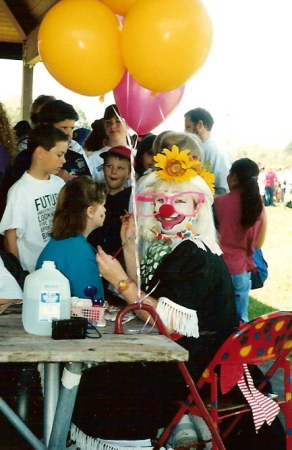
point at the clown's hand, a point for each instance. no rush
(109, 267)
(128, 228)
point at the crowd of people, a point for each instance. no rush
(275, 185)
(200, 217)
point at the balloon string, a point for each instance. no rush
(160, 109)
(140, 301)
(128, 97)
(144, 110)
(133, 184)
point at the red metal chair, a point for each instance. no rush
(266, 338)
(194, 396)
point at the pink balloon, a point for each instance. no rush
(142, 111)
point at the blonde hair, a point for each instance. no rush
(7, 136)
(184, 141)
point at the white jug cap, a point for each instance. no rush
(49, 265)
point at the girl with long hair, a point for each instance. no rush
(80, 209)
(242, 227)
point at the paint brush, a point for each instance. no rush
(121, 248)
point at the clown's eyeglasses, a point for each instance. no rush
(147, 201)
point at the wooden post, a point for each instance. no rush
(27, 85)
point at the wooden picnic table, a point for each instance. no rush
(18, 346)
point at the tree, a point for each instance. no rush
(82, 121)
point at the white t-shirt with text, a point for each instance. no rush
(31, 204)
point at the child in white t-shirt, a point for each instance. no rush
(31, 203)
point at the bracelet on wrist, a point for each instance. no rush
(124, 284)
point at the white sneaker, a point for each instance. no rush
(202, 430)
(183, 434)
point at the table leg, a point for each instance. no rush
(28, 376)
(69, 387)
(51, 395)
(15, 420)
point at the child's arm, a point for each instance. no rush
(128, 236)
(10, 242)
(65, 175)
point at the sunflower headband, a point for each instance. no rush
(176, 165)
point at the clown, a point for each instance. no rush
(184, 277)
(184, 257)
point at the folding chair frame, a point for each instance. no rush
(194, 395)
(276, 350)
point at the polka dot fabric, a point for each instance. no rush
(266, 338)
(152, 259)
(263, 338)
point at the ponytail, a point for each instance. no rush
(247, 172)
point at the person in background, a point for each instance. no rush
(281, 187)
(242, 227)
(22, 160)
(7, 142)
(10, 291)
(262, 182)
(80, 135)
(7, 154)
(181, 139)
(270, 186)
(288, 185)
(63, 116)
(37, 105)
(27, 219)
(117, 170)
(35, 108)
(200, 122)
(97, 138)
(80, 209)
(22, 130)
(144, 158)
(116, 132)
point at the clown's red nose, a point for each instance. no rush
(166, 210)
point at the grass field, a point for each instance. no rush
(277, 249)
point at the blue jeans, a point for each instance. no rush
(269, 196)
(242, 285)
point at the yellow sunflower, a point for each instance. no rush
(206, 173)
(175, 165)
(209, 178)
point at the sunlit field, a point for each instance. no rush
(277, 250)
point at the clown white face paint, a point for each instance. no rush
(173, 216)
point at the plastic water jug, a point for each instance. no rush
(46, 296)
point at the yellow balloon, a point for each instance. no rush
(120, 7)
(80, 45)
(164, 42)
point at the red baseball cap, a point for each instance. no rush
(119, 150)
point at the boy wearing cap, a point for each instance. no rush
(117, 171)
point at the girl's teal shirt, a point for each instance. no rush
(75, 259)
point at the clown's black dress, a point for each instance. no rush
(132, 401)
